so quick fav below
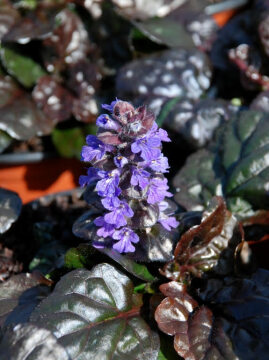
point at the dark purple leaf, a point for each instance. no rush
(192, 326)
(261, 102)
(8, 264)
(157, 78)
(236, 167)
(87, 307)
(196, 121)
(211, 245)
(136, 9)
(30, 341)
(20, 295)
(54, 100)
(19, 116)
(10, 209)
(68, 44)
(243, 304)
(34, 26)
(8, 16)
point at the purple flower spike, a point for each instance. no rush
(126, 237)
(105, 122)
(117, 216)
(127, 169)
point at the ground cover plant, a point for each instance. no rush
(161, 254)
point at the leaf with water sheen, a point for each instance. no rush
(95, 315)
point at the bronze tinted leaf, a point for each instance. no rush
(192, 326)
(210, 245)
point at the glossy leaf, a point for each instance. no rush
(155, 245)
(156, 79)
(34, 26)
(136, 269)
(20, 295)
(69, 42)
(179, 315)
(10, 209)
(5, 141)
(55, 101)
(196, 121)
(23, 68)
(9, 265)
(243, 304)
(87, 307)
(135, 9)
(8, 16)
(30, 341)
(236, 168)
(211, 245)
(19, 116)
(166, 31)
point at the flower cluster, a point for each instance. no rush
(127, 168)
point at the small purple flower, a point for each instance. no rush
(105, 229)
(92, 175)
(111, 203)
(140, 177)
(168, 223)
(117, 216)
(109, 185)
(120, 161)
(147, 147)
(163, 136)
(126, 237)
(95, 150)
(164, 219)
(157, 190)
(110, 107)
(105, 122)
(160, 165)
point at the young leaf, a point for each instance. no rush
(94, 314)
(10, 209)
(192, 327)
(30, 341)
(210, 245)
(20, 295)
(24, 69)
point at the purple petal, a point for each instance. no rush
(169, 223)
(120, 161)
(110, 107)
(105, 122)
